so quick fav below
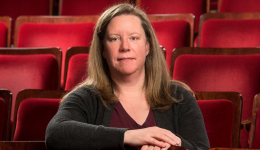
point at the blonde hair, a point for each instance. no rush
(158, 84)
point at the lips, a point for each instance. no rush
(127, 58)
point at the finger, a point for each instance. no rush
(151, 147)
(167, 146)
(157, 148)
(163, 138)
(170, 135)
(155, 142)
(144, 147)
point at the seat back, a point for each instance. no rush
(83, 7)
(173, 30)
(222, 127)
(220, 69)
(196, 7)
(33, 111)
(239, 6)
(63, 32)
(229, 30)
(75, 66)
(5, 113)
(255, 124)
(16, 8)
(5, 31)
(25, 68)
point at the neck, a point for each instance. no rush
(129, 84)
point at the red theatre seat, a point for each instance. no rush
(75, 66)
(173, 30)
(229, 30)
(63, 32)
(85, 7)
(24, 68)
(16, 8)
(33, 111)
(216, 69)
(239, 6)
(196, 7)
(222, 127)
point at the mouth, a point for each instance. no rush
(121, 59)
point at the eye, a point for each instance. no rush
(133, 38)
(114, 39)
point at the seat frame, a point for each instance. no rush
(255, 109)
(7, 97)
(8, 21)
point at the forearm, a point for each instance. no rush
(77, 135)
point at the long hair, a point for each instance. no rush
(158, 84)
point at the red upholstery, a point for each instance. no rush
(213, 4)
(172, 34)
(27, 72)
(230, 33)
(15, 8)
(239, 6)
(77, 70)
(196, 7)
(221, 73)
(256, 143)
(219, 125)
(55, 35)
(2, 116)
(33, 116)
(85, 7)
(243, 141)
(3, 34)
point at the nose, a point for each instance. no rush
(125, 45)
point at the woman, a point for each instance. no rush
(128, 100)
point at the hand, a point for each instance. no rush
(151, 136)
(151, 147)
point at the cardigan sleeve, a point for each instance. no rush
(191, 128)
(78, 125)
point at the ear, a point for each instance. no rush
(147, 48)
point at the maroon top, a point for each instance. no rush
(121, 119)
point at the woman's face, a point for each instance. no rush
(125, 45)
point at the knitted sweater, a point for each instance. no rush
(82, 122)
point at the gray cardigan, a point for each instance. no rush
(82, 122)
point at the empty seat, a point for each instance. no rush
(85, 7)
(255, 124)
(16, 8)
(222, 127)
(5, 31)
(5, 114)
(33, 111)
(229, 30)
(63, 32)
(173, 30)
(75, 66)
(196, 7)
(216, 69)
(239, 6)
(25, 68)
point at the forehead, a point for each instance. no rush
(125, 22)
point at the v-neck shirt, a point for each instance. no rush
(121, 119)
